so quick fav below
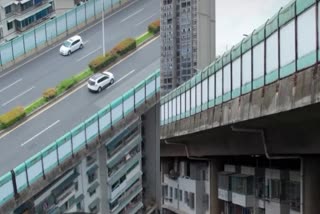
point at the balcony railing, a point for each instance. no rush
(20, 12)
(133, 192)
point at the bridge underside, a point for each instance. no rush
(287, 112)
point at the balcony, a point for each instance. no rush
(121, 140)
(135, 208)
(127, 198)
(242, 190)
(122, 169)
(65, 190)
(131, 178)
(122, 150)
(32, 9)
(224, 186)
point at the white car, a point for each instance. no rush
(100, 81)
(72, 44)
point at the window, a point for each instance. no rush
(8, 9)
(180, 195)
(186, 197)
(206, 201)
(165, 190)
(294, 194)
(91, 177)
(26, 5)
(76, 186)
(75, 42)
(275, 189)
(79, 206)
(191, 200)
(91, 193)
(90, 159)
(10, 25)
(170, 192)
(175, 193)
(113, 205)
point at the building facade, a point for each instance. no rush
(185, 187)
(109, 180)
(187, 39)
(17, 16)
(243, 187)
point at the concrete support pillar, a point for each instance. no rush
(311, 185)
(215, 205)
(151, 159)
(103, 172)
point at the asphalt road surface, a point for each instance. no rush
(24, 83)
(35, 134)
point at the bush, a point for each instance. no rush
(154, 27)
(49, 93)
(9, 118)
(65, 85)
(102, 61)
(124, 46)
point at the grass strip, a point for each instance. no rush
(34, 105)
(143, 37)
(83, 75)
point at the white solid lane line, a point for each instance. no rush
(53, 124)
(5, 88)
(146, 19)
(133, 14)
(85, 56)
(23, 93)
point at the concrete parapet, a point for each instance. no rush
(298, 90)
(287, 111)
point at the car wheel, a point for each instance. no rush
(99, 89)
(69, 52)
(81, 46)
(111, 81)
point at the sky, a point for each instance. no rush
(237, 17)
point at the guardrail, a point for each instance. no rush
(66, 146)
(285, 44)
(51, 29)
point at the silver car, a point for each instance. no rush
(72, 44)
(100, 81)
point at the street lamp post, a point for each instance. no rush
(103, 42)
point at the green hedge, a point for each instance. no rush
(154, 27)
(124, 46)
(12, 116)
(102, 61)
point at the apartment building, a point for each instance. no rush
(108, 180)
(187, 39)
(239, 186)
(17, 16)
(185, 187)
(252, 190)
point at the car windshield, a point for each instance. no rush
(67, 44)
(91, 82)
